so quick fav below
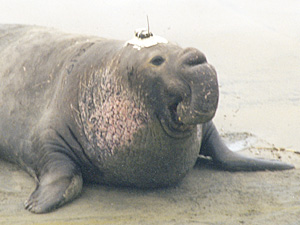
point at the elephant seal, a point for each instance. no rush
(76, 108)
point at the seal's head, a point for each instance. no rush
(177, 83)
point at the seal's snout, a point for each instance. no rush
(200, 104)
(192, 57)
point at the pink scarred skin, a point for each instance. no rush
(115, 117)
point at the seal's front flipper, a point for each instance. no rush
(59, 182)
(213, 146)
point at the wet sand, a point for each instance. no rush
(255, 47)
(206, 196)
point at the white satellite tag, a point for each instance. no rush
(145, 39)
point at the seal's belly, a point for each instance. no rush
(152, 161)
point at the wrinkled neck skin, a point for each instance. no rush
(125, 138)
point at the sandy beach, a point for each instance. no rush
(255, 48)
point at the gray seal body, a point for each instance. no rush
(76, 108)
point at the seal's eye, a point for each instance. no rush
(157, 60)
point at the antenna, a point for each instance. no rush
(148, 25)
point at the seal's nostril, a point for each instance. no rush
(193, 57)
(195, 60)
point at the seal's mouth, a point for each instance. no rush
(172, 125)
